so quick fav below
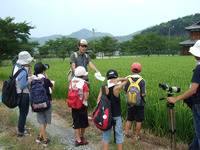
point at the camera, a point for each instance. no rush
(169, 89)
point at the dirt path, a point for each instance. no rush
(57, 130)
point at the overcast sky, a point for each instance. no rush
(118, 17)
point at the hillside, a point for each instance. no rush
(177, 26)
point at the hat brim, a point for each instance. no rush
(25, 61)
(46, 66)
(86, 74)
(83, 44)
(194, 51)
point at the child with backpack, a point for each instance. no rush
(43, 116)
(135, 102)
(78, 92)
(112, 90)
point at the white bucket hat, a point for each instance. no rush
(195, 50)
(80, 71)
(24, 58)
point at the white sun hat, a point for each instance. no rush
(80, 71)
(24, 58)
(195, 50)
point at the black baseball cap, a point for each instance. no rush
(40, 67)
(112, 74)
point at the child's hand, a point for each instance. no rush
(45, 75)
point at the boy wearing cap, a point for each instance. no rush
(135, 112)
(22, 84)
(44, 117)
(112, 91)
(80, 58)
(80, 116)
(194, 89)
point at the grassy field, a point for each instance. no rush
(171, 70)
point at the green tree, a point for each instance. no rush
(43, 50)
(148, 43)
(106, 44)
(13, 36)
(62, 47)
(125, 46)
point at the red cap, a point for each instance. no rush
(136, 67)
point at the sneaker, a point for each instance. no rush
(39, 139)
(26, 128)
(45, 143)
(24, 134)
(126, 136)
(81, 143)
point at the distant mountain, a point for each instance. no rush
(85, 34)
(81, 34)
(126, 37)
(46, 38)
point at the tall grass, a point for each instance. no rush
(171, 70)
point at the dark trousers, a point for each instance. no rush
(23, 112)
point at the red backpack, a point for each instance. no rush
(73, 98)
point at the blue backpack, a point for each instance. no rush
(39, 99)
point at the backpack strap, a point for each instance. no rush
(138, 80)
(76, 55)
(131, 81)
(103, 90)
(17, 73)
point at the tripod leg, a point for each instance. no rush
(172, 128)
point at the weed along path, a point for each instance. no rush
(57, 130)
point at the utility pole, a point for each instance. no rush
(93, 37)
(169, 39)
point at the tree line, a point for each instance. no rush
(14, 38)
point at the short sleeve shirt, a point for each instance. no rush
(47, 85)
(196, 79)
(142, 85)
(81, 60)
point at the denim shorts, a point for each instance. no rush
(118, 132)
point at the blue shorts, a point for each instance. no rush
(118, 132)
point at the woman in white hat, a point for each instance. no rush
(22, 84)
(195, 89)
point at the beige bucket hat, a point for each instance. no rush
(24, 58)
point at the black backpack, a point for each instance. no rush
(9, 94)
(39, 100)
(102, 116)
